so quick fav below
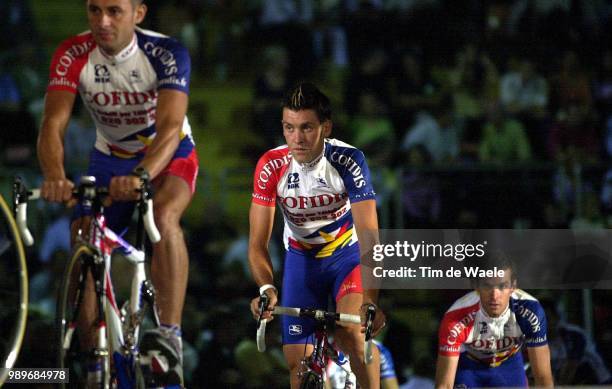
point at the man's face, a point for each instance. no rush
(304, 133)
(112, 22)
(495, 293)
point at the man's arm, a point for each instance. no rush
(261, 221)
(50, 145)
(446, 368)
(170, 115)
(539, 357)
(366, 224)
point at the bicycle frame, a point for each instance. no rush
(117, 330)
(104, 239)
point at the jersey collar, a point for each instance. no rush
(306, 166)
(124, 54)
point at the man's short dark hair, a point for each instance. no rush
(306, 95)
(500, 260)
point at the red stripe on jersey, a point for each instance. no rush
(455, 329)
(270, 168)
(68, 61)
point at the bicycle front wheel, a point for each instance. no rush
(70, 352)
(13, 291)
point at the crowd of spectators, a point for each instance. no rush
(471, 114)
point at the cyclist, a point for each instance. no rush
(338, 375)
(135, 84)
(482, 334)
(323, 188)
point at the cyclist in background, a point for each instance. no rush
(574, 356)
(135, 84)
(324, 190)
(482, 334)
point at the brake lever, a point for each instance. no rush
(264, 300)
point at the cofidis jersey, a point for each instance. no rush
(466, 329)
(120, 91)
(315, 197)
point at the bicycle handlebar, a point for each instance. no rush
(315, 314)
(84, 192)
(318, 314)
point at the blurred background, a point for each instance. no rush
(472, 114)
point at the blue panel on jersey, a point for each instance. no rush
(169, 58)
(532, 320)
(352, 167)
(387, 368)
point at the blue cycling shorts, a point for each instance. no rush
(184, 164)
(104, 167)
(474, 374)
(310, 282)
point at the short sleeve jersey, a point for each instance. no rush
(121, 91)
(466, 328)
(315, 197)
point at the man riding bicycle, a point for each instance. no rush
(323, 188)
(481, 335)
(135, 84)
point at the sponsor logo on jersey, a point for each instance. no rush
(303, 202)
(348, 286)
(539, 339)
(165, 56)
(135, 76)
(173, 81)
(266, 170)
(120, 98)
(321, 183)
(66, 60)
(352, 166)
(530, 316)
(102, 73)
(496, 344)
(449, 349)
(483, 327)
(295, 329)
(293, 181)
(458, 328)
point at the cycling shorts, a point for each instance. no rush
(475, 374)
(309, 282)
(102, 166)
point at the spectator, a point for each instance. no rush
(439, 133)
(371, 124)
(504, 139)
(575, 133)
(412, 90)
(269, 90)
(370, 74)
(420, 191)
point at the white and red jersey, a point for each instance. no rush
(466, 328)
(120, 91)
(315, 197)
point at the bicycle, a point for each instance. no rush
(117, 329)
(13, 290)
(312, 374)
